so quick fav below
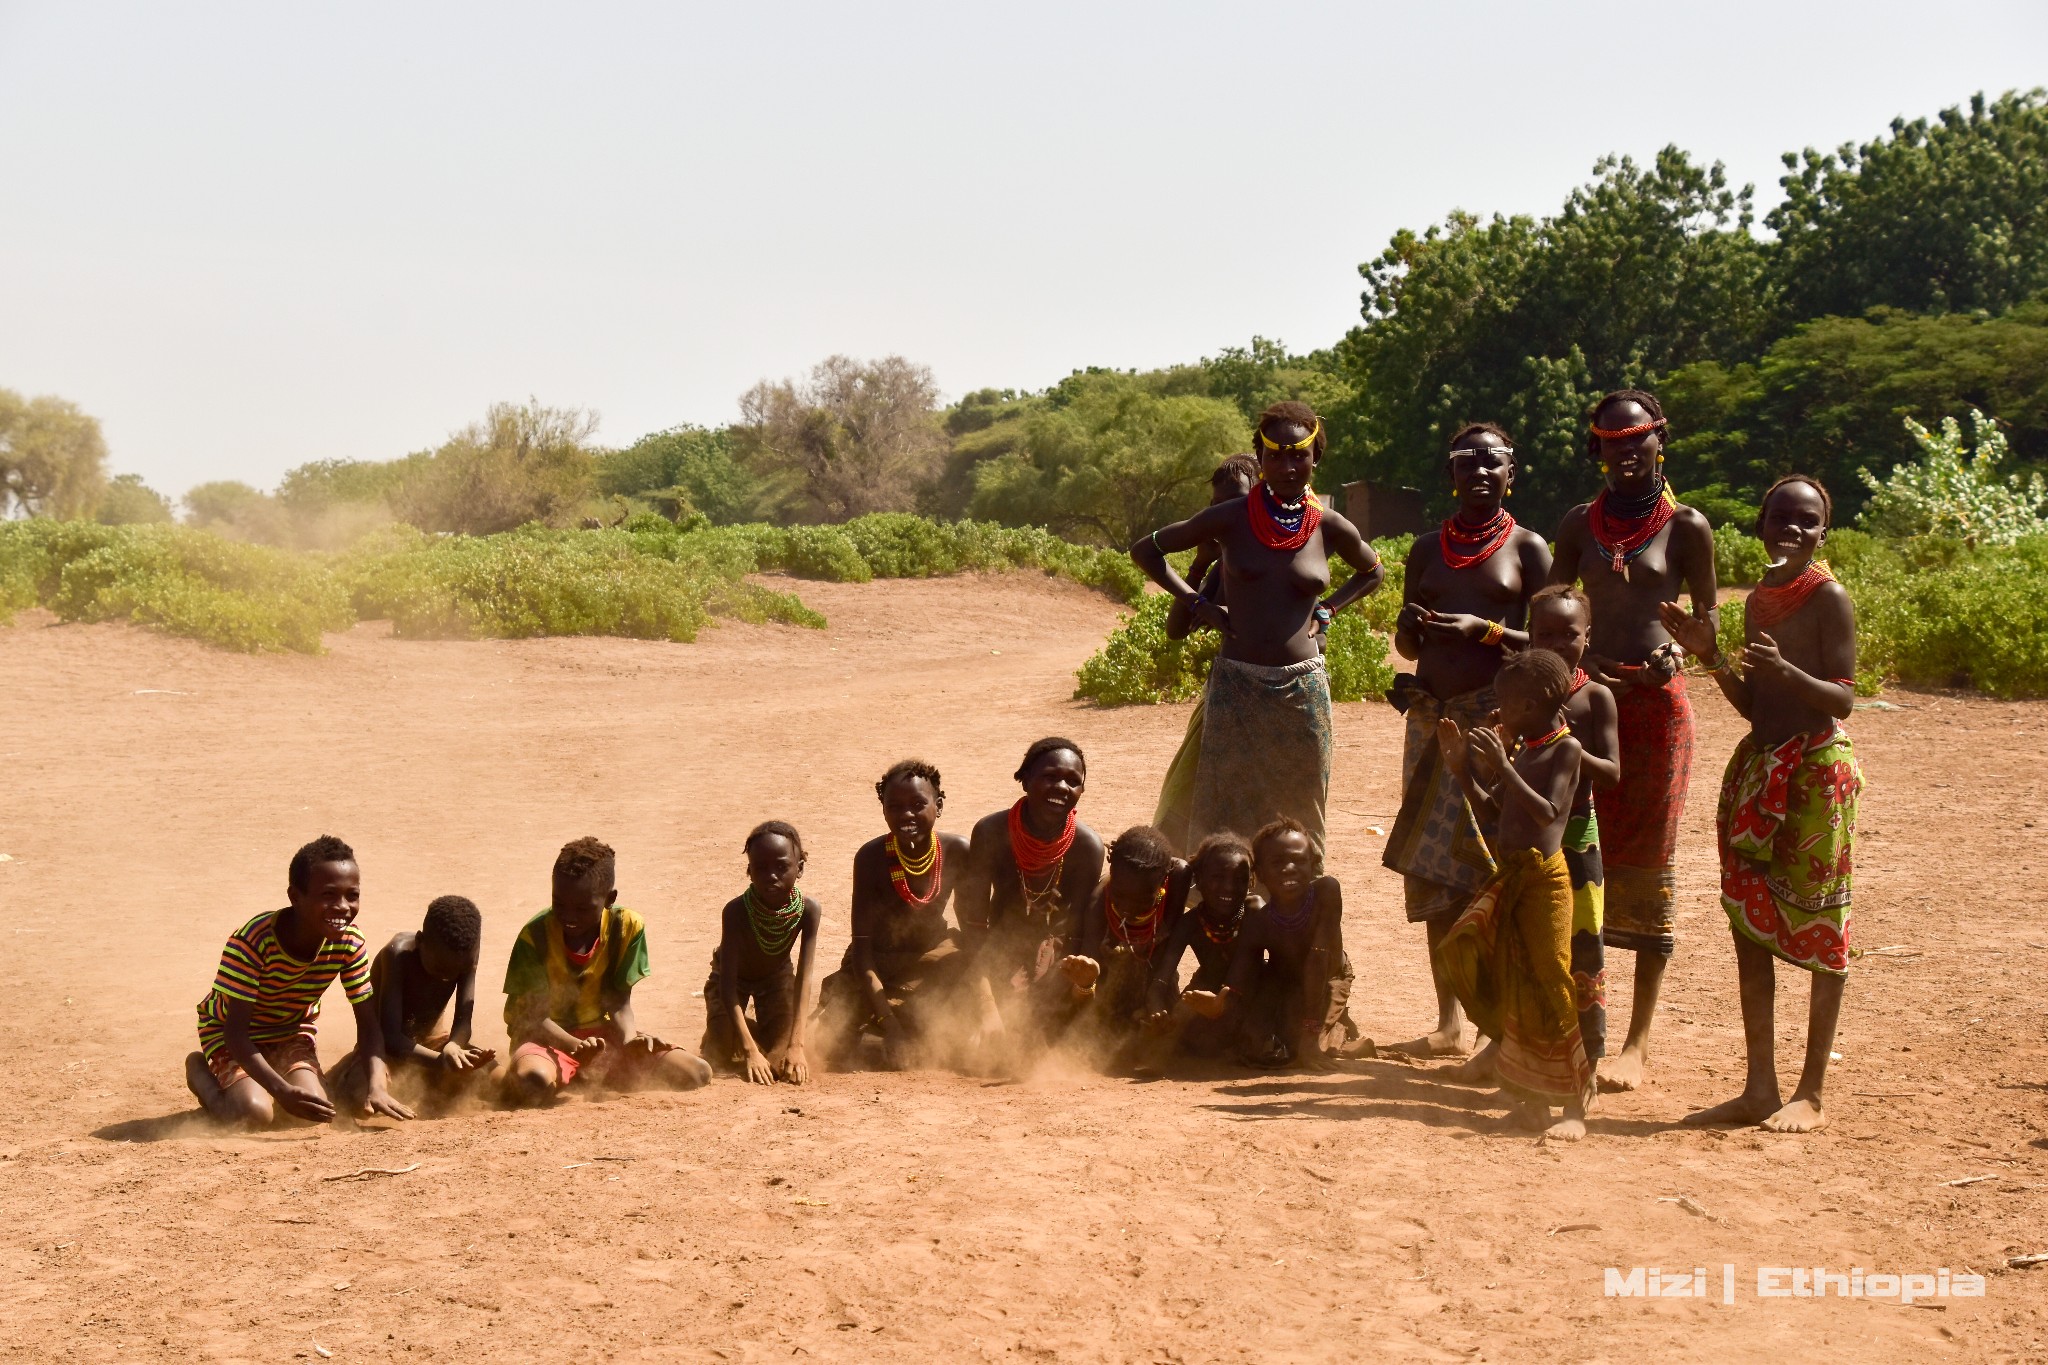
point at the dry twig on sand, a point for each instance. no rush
(368, 1171)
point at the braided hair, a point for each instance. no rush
(780, 829)
(1142, 849)
(910, 767)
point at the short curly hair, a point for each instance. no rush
(1286, 824)
(325, 849)
(454, 923)
(910, 767)
(1541, 671)
(1223, 843)
(1303, 416)
(1827, 503)
(581, 857)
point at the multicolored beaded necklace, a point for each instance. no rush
(1140, 934)
(902, 869)
(1225, 936)
(1550, 738)
(1281, 525)
(1770, 604)
(1624, 527)
(774, 927)
(1487, 538)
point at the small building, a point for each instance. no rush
(1383, 509)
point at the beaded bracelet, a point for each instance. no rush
(1494, 631)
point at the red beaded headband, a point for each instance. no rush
(1622, 433)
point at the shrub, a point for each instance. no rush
(1950, 493)
(1738, 558)
(174, 579)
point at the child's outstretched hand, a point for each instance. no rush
(587, 1047)
(1694, 635)
(1208, 1004)
(1450, 741)
(1486, 748)
(794, 1068)
(462, 1057)
(379, 1104)
(305, 1103)
(759, 1070)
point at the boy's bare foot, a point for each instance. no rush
(1800, 1116)
(1622, 1071)
(1443, 1043)
(1743, 1110)
(1083, 972)
(1478, 1069)
(1570, 1128)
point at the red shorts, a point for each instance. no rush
(293, 1054)
(567, 1064)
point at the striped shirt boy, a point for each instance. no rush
(284, 990)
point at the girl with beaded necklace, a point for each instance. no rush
(1030, 870)
(1467, 601)
(1220, 876)
(903, 958)
(1289, 990)
(759, 931)
(1125, 930)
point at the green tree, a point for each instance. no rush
(1831, 398)
(1108, 457)
(853, 437)
(1527, 322)
(53, 460)
(687, 466)
(520, 464)
(128, 501)
(236, 510)
(1257, 376)
(312, 489)
(1944, 215)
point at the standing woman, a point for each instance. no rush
(1634, 547)
(1265, 751)
(1467, 603)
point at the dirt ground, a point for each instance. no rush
(155, 788)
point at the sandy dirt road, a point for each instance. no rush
(155, 788)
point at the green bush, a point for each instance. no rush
(536, 581)
(1738, 558)
(175, 579)
(1138, 663)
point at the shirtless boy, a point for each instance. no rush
(1508, 956)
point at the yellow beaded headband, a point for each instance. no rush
(1315, 429)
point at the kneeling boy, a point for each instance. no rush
(256, 1025)
(569, 990)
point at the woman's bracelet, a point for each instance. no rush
(1494, 631)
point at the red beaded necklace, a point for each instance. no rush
(1035, 855)
(1769, 605)
(933, 863)
(1277, 529)
(1488, 538)
(1621, 539)
(1579, 680)
(1551, 738)
(1141, 933)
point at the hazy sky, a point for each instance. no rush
(247, 236)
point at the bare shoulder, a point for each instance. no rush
(1692, 523)
(954, 844)
(1328, 890)
(813, 912)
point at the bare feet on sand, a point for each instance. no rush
(1800, 1116)
(1622, 1071)
(1743, 1110)
(1570, 1128)
(1440, 1044)
(1478, 1069)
